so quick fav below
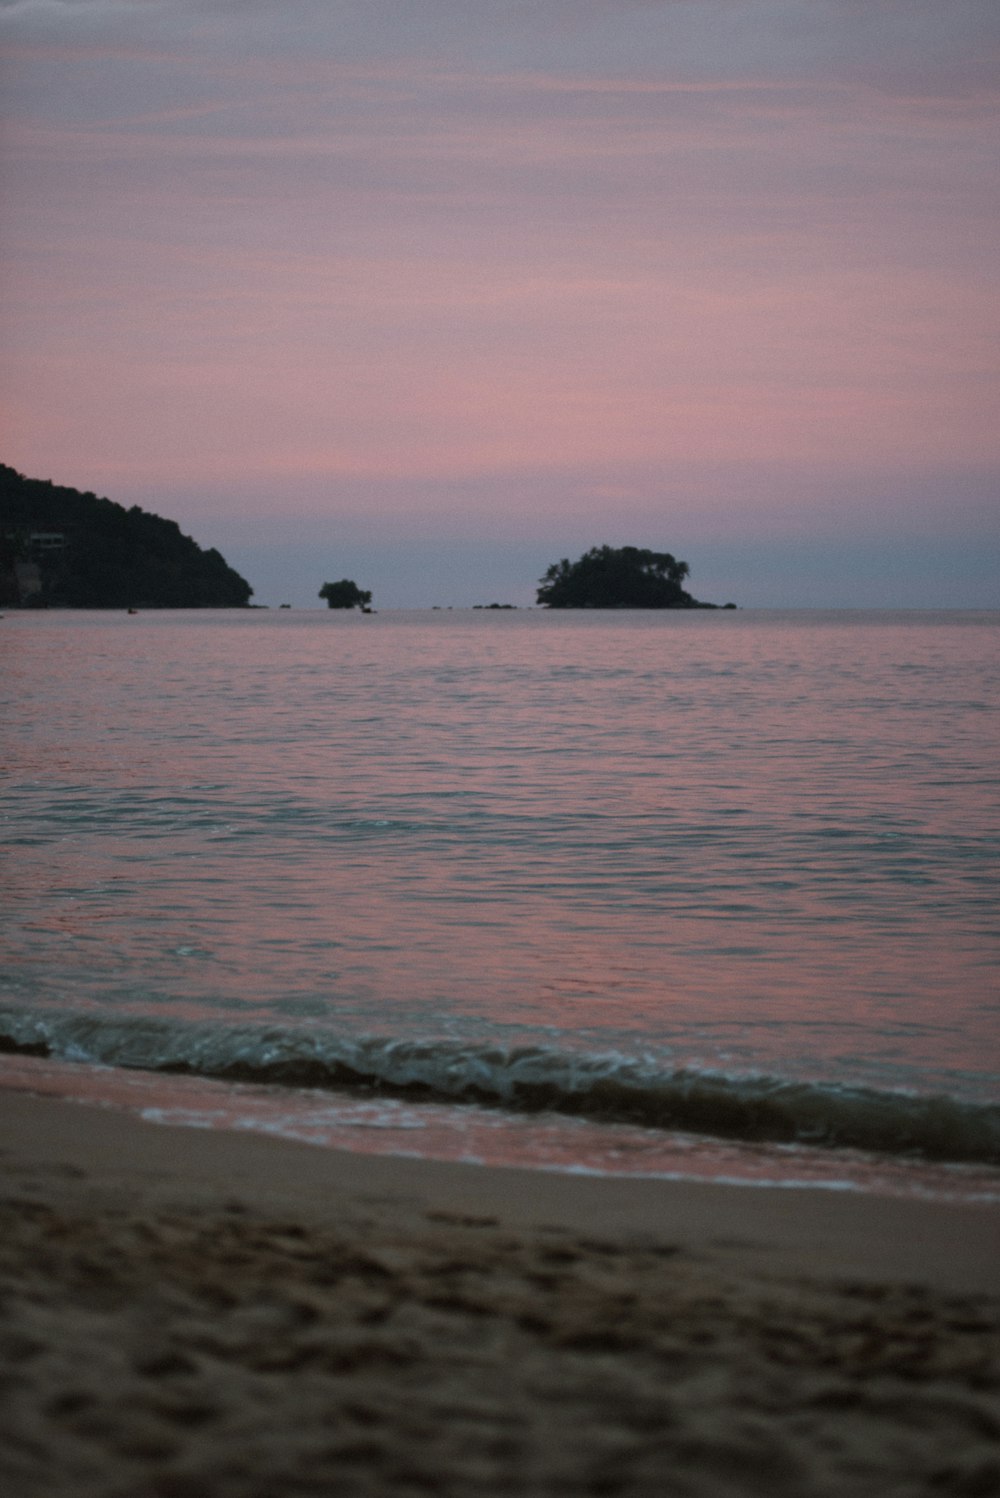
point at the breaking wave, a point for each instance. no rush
(604, 1088)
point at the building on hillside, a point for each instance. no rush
(45, 541)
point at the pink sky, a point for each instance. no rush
(434, 294)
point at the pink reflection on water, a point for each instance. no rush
(735, 842)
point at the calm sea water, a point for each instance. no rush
(707, 894)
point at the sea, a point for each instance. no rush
(685, 895)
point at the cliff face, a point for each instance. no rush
(62, 548)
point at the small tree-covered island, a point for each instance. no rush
(626, 577)
(346, 595)
(63, 549)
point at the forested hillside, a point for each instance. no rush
(65, 549)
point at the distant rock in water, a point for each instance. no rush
(64, 549)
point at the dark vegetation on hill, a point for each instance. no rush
(64, 549)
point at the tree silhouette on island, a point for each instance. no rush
(626, 577)
(346, 595)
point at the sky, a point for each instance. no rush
(432, 293)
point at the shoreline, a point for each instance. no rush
(798, 1229)
(191, 1313)
(444, 1128)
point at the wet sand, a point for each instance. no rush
(188, 1314)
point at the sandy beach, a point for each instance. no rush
(185, 1314)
